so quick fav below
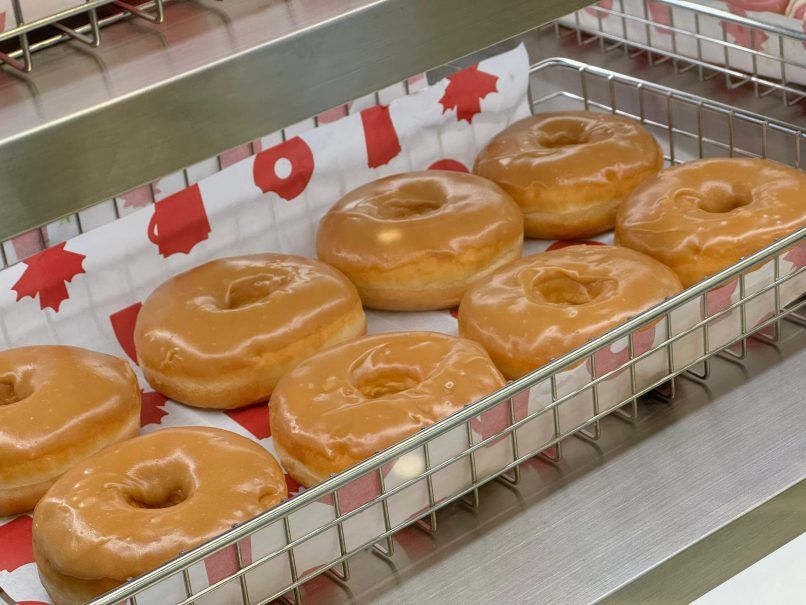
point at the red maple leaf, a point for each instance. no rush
(224, 563)
(661, 14)
(465, 91)
(605, 4)
(448, 164)
(292, 485)
(497, 418)
(564, 243)
(743, 35)
(797, 255)
(254, 419)
(141, 196)
(152, 409)
(123, 326)
(17, 549)
(47, 273)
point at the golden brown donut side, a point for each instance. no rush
(548, 304)
(221, 334)
(343, 405)
(702, 216)
(58, 405)
(415, 241)
(569, 171)
(138, 504)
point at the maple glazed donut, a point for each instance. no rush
(222, 334)
(702, 216)
(569, 171)
(139, 504)
(416, 241)
(343, 405)
(58, 405)
(547, 304)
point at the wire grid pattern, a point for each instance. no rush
(87, 33)
(712, 55)
(688, 127)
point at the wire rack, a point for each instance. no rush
(687, 127)
(769, 57)
(82, 22)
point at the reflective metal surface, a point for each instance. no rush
(90, 123)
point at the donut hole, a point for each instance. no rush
(384, 381)
(720, 204)
(411, 200)
(159, 484)
(161, 500)
(563, 133)
(253, 289)
(13, 391)
(561, 289)
(402, 209)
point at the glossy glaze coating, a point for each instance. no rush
(415, 241)
(140, 503)
(701, 217)
(569, 171)
(548, 304)
(220, 335)
(58, 405)
(349, 402)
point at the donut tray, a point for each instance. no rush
(33, 24)
(764, 50)
(532, 416)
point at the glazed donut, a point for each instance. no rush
(222, 334)
(415, 241)
(569, 171)
(58, 405)
(139, 504)
(548, 304)
(343, 405)
(702, 216)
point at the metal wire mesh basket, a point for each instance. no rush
(764, 289)
(82, 21)
(768, 55)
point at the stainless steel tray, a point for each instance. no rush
(663, 40)
(689, 126)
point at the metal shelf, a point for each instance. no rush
(90, 123)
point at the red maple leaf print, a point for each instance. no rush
(47, 274)
(797, 255)
(140, 196)
(448, 164)
(465, 91)
(361, 490)
(564, 243)
(292, 485)
(800, 13)
(284, 169)
(662, 15)
(123, 326)
(767, 6)
(224, 563)
(743, 35)
(15, 538)
(380, 135)
(254, 419)
(29, 243)
(719, 299)
(152, 410)
(497, 418)
(605, 4)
